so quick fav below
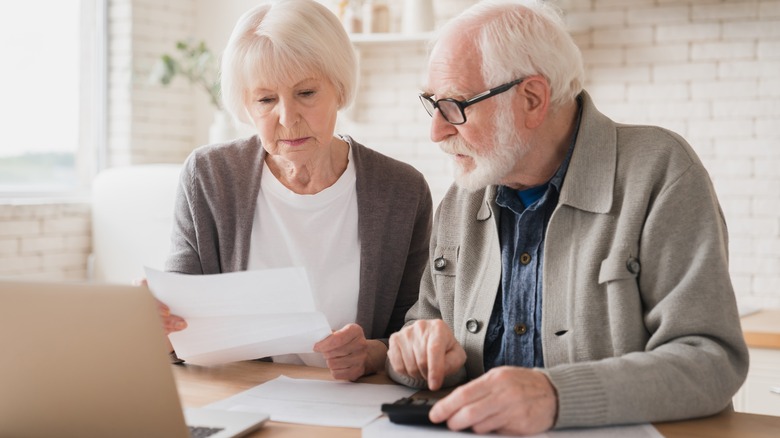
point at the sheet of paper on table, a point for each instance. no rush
(316, 402)
(383, 428)
(240, 315)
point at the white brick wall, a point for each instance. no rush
(708, 69)
(44, 240)
(716, 77)
(147, 122)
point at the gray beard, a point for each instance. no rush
(492, 168)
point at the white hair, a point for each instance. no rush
(286, 38)
(521, 38)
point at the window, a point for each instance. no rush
(51, 94)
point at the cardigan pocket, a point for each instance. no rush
(445, 260)
(621, 305)
(443, 266)
(620, 266)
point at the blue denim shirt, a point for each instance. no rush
(514, 332)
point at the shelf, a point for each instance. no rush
(389, 38)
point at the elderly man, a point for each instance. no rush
(578, 271)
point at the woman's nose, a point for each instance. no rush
(288, 113)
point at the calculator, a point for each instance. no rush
(410, 410)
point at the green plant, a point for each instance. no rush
(194, 61)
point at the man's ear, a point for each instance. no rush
(534, 99)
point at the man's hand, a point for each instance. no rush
(350, 355)
(426, 349)
(507, 400)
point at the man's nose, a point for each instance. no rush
(440, 128)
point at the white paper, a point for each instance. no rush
(383, 428)
(317, 402)
(240, 315)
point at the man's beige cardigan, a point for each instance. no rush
(639, 320)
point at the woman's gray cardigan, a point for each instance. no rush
(215, 209)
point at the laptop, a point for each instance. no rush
(89, 360)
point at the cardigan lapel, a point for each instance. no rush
(369, 226)
(590, 179)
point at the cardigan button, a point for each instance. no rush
(633, 266)
(440, 263)
(472, 325)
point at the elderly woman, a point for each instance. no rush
(295, 194)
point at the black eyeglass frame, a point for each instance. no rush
(431, 105)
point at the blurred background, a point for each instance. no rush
(82, 96)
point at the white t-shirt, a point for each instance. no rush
(318, 232)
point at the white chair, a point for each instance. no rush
(132, 213)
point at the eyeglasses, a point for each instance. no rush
(452, 110)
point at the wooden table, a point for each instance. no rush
(199, 386)
(762, 329)
(759, 394)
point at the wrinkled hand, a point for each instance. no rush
(426, 349)
(507, 400)
(171, 323)
(349, 354)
